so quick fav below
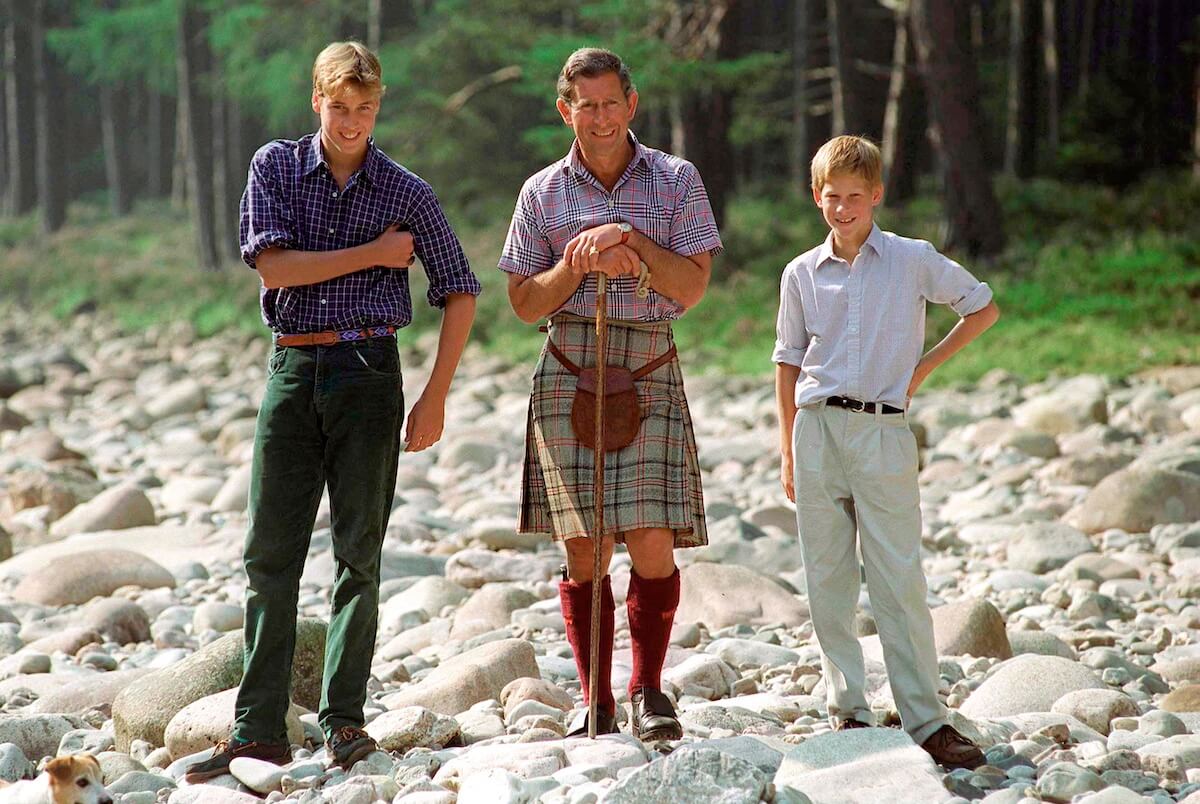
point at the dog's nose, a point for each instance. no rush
(106, 800)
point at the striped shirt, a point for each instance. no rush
(661, 195)
(292, 201)
(858, 329)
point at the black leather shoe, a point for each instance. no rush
(606, 723)
(654, 716)
(227, 750)
(348, 745)
(851, 723)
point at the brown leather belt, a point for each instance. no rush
(335, 336)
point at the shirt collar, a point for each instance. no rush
(574, 161)
(874, 240)
(313, 157)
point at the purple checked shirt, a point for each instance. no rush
(292, 201)
(659, 194)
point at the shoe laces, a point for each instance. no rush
(221, 747)
(351, 733)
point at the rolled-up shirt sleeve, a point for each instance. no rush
(693, 226)
(527, 250)
(265, 218)
(438, 249)
(944, 281)
(791, 335)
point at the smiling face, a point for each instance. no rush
(347, 120)
(600, 115)
(848, 202)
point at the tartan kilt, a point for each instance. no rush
(654, 482)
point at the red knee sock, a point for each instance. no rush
(576, 601)
(651, 604)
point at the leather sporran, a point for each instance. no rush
(622, 411)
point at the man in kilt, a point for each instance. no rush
(641, 217)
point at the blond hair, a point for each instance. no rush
(857, 156)
(342, 63)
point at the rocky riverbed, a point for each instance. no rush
(1062, 529)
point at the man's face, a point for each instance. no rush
(600, 114)
(847, 203)
(347, 119)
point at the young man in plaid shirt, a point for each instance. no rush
(332, 224)
(642, 217)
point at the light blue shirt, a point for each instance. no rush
(858, 329)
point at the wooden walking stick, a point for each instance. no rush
(598, 513)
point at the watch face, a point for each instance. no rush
(625, 227)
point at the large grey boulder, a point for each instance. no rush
(37, 736)
(489, 608)
(90, 573)
(122, 506)
(862, 766)
(1028, 683)
(721, 595)
(476, 675)
(143, 709)
(89, 692)
(702, 774)
(202, 723)
(1137, 498)
(970, 627)
(1043, 546)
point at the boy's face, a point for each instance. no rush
(600, 115)
(347, 119)
(848, 204)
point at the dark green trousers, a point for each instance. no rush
(330, 415)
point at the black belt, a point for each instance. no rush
(859, 406)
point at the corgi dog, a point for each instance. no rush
(74, 779)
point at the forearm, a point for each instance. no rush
(537, 296)
(681, 279)
(786, 376)
(966, 330)
(289, 268)
(456, 326)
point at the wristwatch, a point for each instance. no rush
(626, 230)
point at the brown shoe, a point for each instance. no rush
(349, 744)
(227, 750)
(951, 750)
(851, 723)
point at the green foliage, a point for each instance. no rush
(128, 43)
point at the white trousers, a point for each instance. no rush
(856, 481)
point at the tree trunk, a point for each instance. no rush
(222, 216)
(1086, 35)
(1196, 130)
(798, 136)
(839, 69)
(1020, 141)
(1050, 65)
(374, 24)
(18, 150)
(903, 123)
(192, 62)
(115, 172)
(51, 192)
(179, 188)
(942, 37)
(155, 174)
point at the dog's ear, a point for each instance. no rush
(89, 759)
(61, 768)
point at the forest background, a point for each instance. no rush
(1052, 146)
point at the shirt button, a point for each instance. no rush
(334, 193)
(852, 329)
(322, 301)
(331, 230)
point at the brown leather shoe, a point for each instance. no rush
(227, 750)
(951, 750)
(851, 723)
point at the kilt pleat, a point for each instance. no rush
(654, 482)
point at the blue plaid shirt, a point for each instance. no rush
(292, 201)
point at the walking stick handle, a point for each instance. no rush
(598, 497)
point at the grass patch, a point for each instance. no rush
(1092, 281)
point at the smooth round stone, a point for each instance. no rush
(261, 777)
